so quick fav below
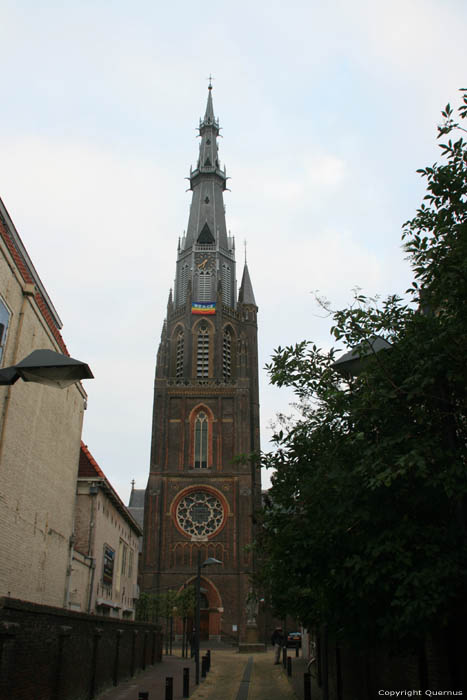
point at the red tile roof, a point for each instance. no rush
(29, 279)
(89, 469)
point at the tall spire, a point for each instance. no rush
(209, 114)
(206, 255)
(208, 182)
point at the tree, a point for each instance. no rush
(365, 528)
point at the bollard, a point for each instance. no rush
(289, 665)
(169, 688)
(208, 657)
(284, 657)
(306, 686)
(186, 682)
(203, 667)
(296, 650)
(143, 695)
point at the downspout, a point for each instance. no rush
(93, 490)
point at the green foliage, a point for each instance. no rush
(365, 524)
(186, 602)
(150, 607)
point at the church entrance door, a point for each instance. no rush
(204, 625)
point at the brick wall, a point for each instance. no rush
(49, 653)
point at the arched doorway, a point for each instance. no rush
(210, 610)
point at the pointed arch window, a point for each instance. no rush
(200, 456)
(202, 354)
(227, 355)
(179, 354)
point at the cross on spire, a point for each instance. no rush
(210, 81)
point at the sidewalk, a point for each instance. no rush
(233, 676)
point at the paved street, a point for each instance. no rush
(233, 676)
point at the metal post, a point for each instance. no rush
(338, 673)
(325, 663)
(289, 665)
(208, 659)
(169, 688)
(145, 644)
(133, 649)
(117, 656)
(186, 682)
(198, 615)
(203, 667)
(284, 656)
(296, 649)
(306, 686)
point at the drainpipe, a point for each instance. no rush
(93, 491)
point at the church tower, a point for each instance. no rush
(206, 414)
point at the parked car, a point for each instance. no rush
(294, 639)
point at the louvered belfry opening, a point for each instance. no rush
(202, 355)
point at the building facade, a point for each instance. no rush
(203, 486)
(40, 434)
(105, 558)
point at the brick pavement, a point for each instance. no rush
(232, 677)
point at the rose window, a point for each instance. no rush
(199, 514)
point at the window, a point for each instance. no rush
(202, 355)
(200, 460)
(124, 559)
(108, 568)
(130, 564)
(4, 321)
(200, 514)
(179, 351)
(227, 355)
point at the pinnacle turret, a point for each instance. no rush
(246, 294)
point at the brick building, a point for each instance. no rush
(40, 433)
(105, 558)
(206, 412)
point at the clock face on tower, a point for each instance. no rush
(205, 262)
(199, 514)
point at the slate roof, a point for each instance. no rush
(136, 505)
(245, 294)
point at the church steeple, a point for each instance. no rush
(207, 231)
(201, 499)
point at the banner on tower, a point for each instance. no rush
(204, 308)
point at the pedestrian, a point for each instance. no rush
(277, 641)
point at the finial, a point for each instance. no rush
(210, 81)
(244, 243)
(132, 484)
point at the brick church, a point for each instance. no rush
(206, 414)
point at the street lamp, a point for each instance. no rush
(208, 562)
(46, 367)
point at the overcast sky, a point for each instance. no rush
(327, 108)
